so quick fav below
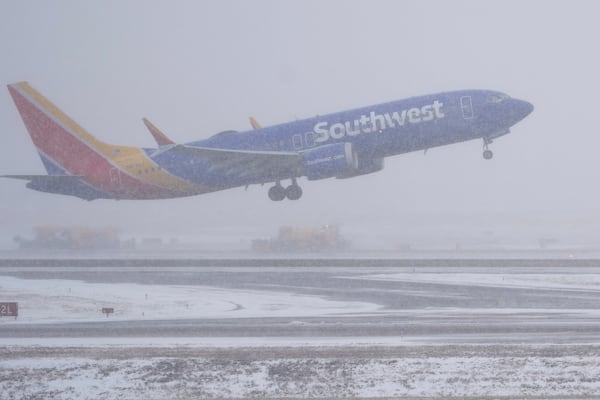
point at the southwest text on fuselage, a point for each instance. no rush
(375, 122)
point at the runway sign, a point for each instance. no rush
(9, 309)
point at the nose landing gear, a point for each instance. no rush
(487, 153)
(292, 192)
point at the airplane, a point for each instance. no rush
(340, 145)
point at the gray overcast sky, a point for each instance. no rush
(196, 68)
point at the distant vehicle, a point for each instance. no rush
(325, 238)
(73, 238)
(341, 145)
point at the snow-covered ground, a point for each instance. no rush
(56, 300)
(582, 281)
(298, 367)
(453, 372)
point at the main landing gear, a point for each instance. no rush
(487, 153)
(292, 192)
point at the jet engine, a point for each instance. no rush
(329, 160)
(366, 166)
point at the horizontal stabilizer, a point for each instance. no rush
(72, 185)
(55, 178)
(161, 138)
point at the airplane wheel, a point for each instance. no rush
(293, 192)
(487, 154)
(277, 193)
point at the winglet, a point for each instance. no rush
(161, 138)
(254, 123)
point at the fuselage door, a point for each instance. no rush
(466, 106)
(309, 138)
(297, 141)
(114, 174)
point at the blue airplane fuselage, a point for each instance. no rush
(375, 132)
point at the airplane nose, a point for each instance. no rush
(520, 109)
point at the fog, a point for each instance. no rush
(197, 68)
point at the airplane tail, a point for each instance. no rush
(64, 147)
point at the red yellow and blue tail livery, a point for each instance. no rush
(340, 145)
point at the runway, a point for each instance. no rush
(504, 302)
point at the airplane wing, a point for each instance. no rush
(268, 165)
(265, 165)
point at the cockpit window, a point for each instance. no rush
(497, 98)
